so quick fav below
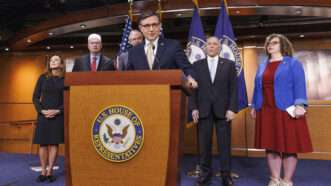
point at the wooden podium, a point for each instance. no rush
(158, 99)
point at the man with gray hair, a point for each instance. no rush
(94, 61)
(135, 38)
(214, 104)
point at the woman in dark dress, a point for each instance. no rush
(48, 101)
(279, 102)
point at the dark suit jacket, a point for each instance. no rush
(219, 96)
(169, 55)
(83, 64)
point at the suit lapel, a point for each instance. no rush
(101, 62)
(219, 68)
(206, 70)
(141, 50)
(159, 52)
(87, 63)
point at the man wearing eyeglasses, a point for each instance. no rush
(158, 53)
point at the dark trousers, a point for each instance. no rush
(223, 132)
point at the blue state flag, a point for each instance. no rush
(196, 43)
(196, 39)
(229, 50)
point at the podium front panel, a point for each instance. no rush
(149, 167)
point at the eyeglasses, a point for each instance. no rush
(153, 25)
(273, 43)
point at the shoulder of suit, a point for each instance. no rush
(83, 57)
(169, 41)
(105, 58)
(200, 62)
(135, 48)
(227, 61)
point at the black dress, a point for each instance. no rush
(48, 94)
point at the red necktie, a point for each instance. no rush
(94, 64)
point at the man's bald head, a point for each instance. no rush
(135, 37)
(213, 46)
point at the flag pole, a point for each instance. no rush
(130, 8)
(196, 4)
(226, 6)
(160, 9)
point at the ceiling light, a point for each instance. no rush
(72, 46)
(50, 33)
(179, 15)
(29, 40)
(7, 49)
(48, 48)
(302, 36)
(83, 26)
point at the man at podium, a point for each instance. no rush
(156, 52)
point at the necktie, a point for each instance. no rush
(94, 64)
(150, 55)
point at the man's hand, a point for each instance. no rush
(195, 115)
(230, 115)
(191, 82)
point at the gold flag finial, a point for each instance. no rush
(196, 3)
(226, 6)
(130, 8)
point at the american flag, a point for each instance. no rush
(125, 37)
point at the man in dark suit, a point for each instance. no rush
(156, 52)
(214, 102)
(135, 38)
(94, 61)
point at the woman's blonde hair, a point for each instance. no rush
(286, 47)
(49, 70)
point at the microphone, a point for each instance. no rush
(156, 59)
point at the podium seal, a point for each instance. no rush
(117, 133)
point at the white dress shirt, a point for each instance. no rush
(155, 42)
(212, 65)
